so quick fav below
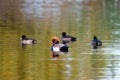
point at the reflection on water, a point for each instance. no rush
(43, 19)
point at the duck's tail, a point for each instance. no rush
(64, 48)
(34, 41)
(73, 39)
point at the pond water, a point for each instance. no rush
(43, 19)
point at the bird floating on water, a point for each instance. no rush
(67, 38)
(27, 41)
(96, 42)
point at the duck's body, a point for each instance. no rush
(96, 42)
(57, 47)
(66, 38)
(27, 41)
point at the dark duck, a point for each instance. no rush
(27, 41)
(67, 38)
(96, 42)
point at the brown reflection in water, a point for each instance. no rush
(10, 12)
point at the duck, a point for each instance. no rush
(27, 41)
(57, 46)
(67, 38)
(96, 42)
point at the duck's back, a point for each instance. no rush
(67, 39)
(59, 47)
(29, 41)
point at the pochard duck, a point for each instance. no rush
(57, 47)
(27, 41)
(67, 38)
(96, 42)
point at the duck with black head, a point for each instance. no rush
(96, 42)
(67, 38)
(27, 41)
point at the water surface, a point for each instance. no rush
(43, 19)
